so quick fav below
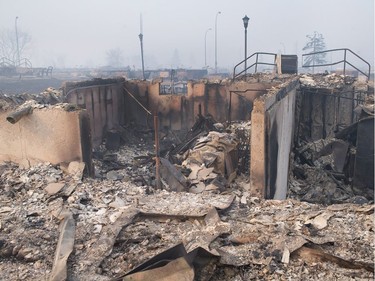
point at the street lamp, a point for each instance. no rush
(18, 49)
(245, 24)
(205, 47)
(218, 13)
(140, 35)
(143, 63)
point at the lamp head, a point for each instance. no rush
(245, 21)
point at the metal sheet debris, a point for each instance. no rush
(178, 269)
(64, 248)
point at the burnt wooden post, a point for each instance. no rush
(157, 160)
(15, 116)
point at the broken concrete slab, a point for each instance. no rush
(206, 234)
(76, 169)
(54, 188)
(320, 221)
(291, 244)
(117, 203)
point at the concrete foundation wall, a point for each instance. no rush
(179, 112)
(109, 103)
(258, 149)
(272, 134)
(132, 112)
(47, 135)
(364, 160)
(321, 112)
(280, 135)
(104, 104)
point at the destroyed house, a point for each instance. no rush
(150, 184)
(287, 112)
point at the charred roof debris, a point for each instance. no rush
(264, 177)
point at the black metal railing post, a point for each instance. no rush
(235, 75)
(344, 61)
(256, 65)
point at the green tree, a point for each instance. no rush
(314, 44)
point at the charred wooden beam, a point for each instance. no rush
(15, 116)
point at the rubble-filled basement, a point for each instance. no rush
(267, 177)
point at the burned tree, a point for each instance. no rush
(115, 57)
(315, 44)
(10, 49)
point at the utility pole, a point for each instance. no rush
(218, 13)
(141, 40)
(205, 48)
(18, 49)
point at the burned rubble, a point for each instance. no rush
(119, 226)
(56, 223)
(330, 161)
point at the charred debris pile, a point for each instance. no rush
(333, 156)
(207, 157)
(57, 225)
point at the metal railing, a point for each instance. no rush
(344, 60)
(22, 63)
(25, 63)
(5, 62)
(256, 63)
(174, 88)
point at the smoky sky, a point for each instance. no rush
(79, 33)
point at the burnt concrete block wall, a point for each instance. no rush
(280, 124)
(109, 103)
(133, 113)
(364, 159)
(321, 112)
(104, 102)
(179, 112)
(47, 135)
(273, 127)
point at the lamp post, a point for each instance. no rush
(218, 13)
(18, 49)
(143, 64)
(245, 24)
(205, 47)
